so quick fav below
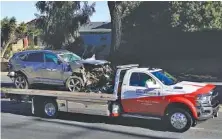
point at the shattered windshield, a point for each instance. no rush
(70, 57)
(165, 77)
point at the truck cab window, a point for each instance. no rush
(139, 79)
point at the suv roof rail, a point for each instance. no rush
(127, 66)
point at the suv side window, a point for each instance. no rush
(51, 58)
(35, 57)
(139, 79)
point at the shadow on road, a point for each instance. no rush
(25, 109)
(116, 131)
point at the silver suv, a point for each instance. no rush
(50, 67)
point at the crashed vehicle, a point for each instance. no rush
(60, 67)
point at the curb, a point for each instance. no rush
(3, 73)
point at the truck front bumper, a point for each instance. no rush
(207, 112)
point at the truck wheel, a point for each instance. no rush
(74, 83)
(50, 108)
(44, 107)
(21, 82)
(179, 120)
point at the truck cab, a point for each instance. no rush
(151, 93)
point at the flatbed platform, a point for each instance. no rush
(65, 95)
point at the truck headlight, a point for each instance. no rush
(204, 99)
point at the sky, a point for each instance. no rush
(25, 10)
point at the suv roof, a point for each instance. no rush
(53, 51)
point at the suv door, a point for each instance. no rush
(137, 98)
(32, 66)
(53, 69)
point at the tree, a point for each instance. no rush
(155, 25)
(8, 29)
(196, 15)
(118, 10)
(12, 32)
(60, 21)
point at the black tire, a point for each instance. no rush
(194, 123)
(77, 84)
(182, 114)
(21, 82)
(39, 107)
(54, 104)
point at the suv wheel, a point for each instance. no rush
(74, 83)
(21, 82)
(179, 120)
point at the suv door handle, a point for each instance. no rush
(46, 68)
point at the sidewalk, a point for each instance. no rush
(3, 73)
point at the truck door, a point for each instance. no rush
(137, 98)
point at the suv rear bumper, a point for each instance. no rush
(207, 112)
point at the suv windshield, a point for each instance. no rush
(165, 77)
(70, 57)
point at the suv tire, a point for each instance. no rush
(21, 82)
(74, 83)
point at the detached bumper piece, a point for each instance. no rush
(205, 112)
(11, 74)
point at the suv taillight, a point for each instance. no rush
(9, 66)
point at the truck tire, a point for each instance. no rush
(179, 120)
(44, 107)
(50, 108)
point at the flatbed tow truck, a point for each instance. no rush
(145, 93)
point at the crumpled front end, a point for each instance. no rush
(96, 74)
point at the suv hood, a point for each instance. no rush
(186, 87)
(77, 64)
(93, 62)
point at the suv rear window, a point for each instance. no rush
(35, 57)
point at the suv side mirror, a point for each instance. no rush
(150, 84)
(59, 62)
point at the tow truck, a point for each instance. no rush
(146, 93)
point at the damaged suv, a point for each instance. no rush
(60, 67)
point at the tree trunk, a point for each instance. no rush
(116, 25)
(5, 48)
